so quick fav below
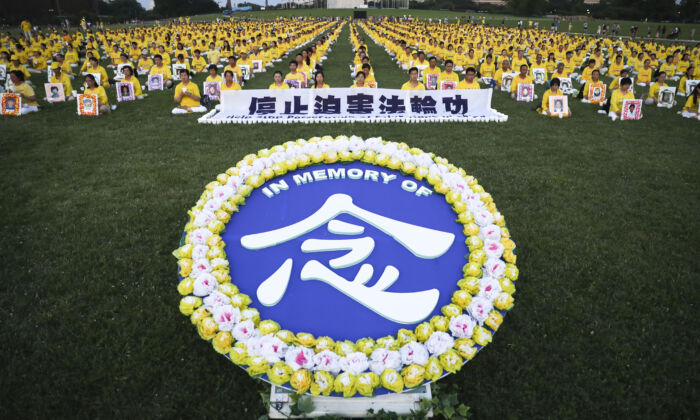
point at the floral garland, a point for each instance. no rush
(18, 104)
(81, 105)
(322, 365)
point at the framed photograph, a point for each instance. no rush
(539, 75)
(448, 85)
(689, 86)
(88, 104)
(487, 80)
(119, 73)
(526, 92)
(293, 83)
(54, 92)
(11, 103)
(212, 90)
(666, 97)
(559, 105)
(155, 82)
(176, 70)
(506, 80)
(431, 80)
(245, 71)
(631, 109)
(125, 92)
(257, 66)
(565, 85)
(596, 93)
(3, 71)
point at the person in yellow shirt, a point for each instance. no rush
(38, 62)
(552, 91)
(294, 74)
(94, 67)
(359, 80)
(16, 65)
(448, 75)
(469, 82)
(616, 67)
(145, 63)
(278, 81)
(618, 97)
(94, 89)
(229, 83)
(234, 68)
(62, 78)
(187, 95)
(688, 75)
(198, 62)
(213, 74)
(431, 74)
(586, 74)
(471, 60)
(413, 82)
(669, 67)
(26, 29)
(20, 87)
(644, 74)
(498, 76)
(522, 77)
(652, 98)
(164, 56)
(213, 55)
(520, 59)
(319, 81)
(160, 68)
(487, 68)
(690, 109)
(130, 78)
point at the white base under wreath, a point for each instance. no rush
(219, 117)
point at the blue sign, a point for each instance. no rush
(346, 251)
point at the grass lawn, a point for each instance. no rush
(602, 213)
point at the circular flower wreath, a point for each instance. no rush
(322, 365)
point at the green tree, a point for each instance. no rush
(173, 8)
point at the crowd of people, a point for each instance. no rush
(436, 55)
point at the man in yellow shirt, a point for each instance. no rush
(278, 81)
(294, 74)
(618, 97)
(413, 82)
(469, 82)
(187, 95)
(62, 78)
(448, 75)
(522, 77)
(160, 68)
(145, 63)
(431, 74)
(234, 68)
(198, 62)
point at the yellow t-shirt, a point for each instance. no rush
(101, 95)
(644, 75)
(198, 63)
(234, 86)
(518, 80)
(324, 86)
(282, 86)
(407, 86)
(164, 70)
(451, 77)
(617, 98)
(487, 70)
(65, 81)
(136, 84)
(186, 100)
(691, 105)
(27, 90)
(214, 79)
(654, 90)
(466, 85)
(545, 99)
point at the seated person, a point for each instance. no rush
(413, 82)
(552, 91)
(690, 109)
(469, 82)
(618, 96)
(359, 80)
(62, 78)
(522, 77)
(229, 83)
(688, 75)
(213, 76)
(586, 88)
(448, 75)
(278, 81)
(130, 78)
(652, 98)
(160, 68)
(29, 103)
(319, 81)
(187, 95)
(94, 89)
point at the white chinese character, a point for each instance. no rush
(404, 308)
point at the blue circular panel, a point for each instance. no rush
(314, 306)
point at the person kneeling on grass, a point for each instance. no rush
(618, 97)
(129, 78)
(690, 109)
(552, 91)
(187, 95)
(29, 103)
(94, 89)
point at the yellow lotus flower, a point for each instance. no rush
(301, 380)
(279, 373)
(433, 369)
(322, 383)
(481, 335)
(392, 380)
(465, 348)
(257, 366)
(188, 304)
(413, 375)
(345, 383)
(423, 331)
(268, 327)
(365, 345)
(451, 361)
(305, 339)
(366, 382)
(207, 328)
(222, 342)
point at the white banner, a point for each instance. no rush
(356, 104)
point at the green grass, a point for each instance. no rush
(604, 216)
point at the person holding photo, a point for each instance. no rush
(690, 109)
(213, 74)
(498, 76)
(652, 98)
(160, 68)
(618, 97)
(94, 89)
(688, 75)
(229, 83)
(130, 78)
(552, 91)
(278, 81)
(522, 77)
(448, 75)
(469, 81)
(29, 103)
(187, 95)
(95, 67)
(413, 82)
(62, 78)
